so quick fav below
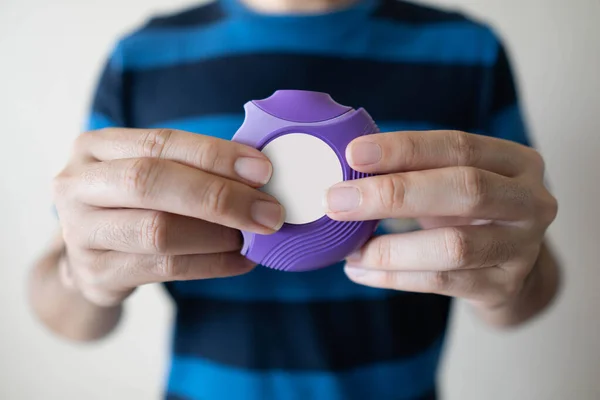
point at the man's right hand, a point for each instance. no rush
(145, 206)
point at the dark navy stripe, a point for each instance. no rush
(407, 12)
(504, 92)
(111, 96)
(408, 379)
(222, 126)
(196, 16)
(322, 336)
(267, 285)
(446, 95)
(451, 43)
(505, 124)
(170, 396)
(432, 395)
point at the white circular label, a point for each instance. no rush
(304, 167)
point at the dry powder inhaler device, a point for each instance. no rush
(305, 135)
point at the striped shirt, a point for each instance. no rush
(315, 335)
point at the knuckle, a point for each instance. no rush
(73, 228)
(410, 149)
(139, 174)
(498, 252)
(467, 151)
(153, 232)
(513, 285)
(536, 160)
(60, 185)
(89, 270)
(458, 248)
(92, 175)
(216, 197)
(474, 185)
(170, 267)
(80, 143)
(208, 154)
(155, 141)
(109, 233)
(548, 208)
(383, 256)
(392, 193)
(520, 195)
(439, 280)
(69, 234)
(72, 235)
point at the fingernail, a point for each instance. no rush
(355, 272)
(338, 199)
(267, 214)
(364, 153)
(253, 169)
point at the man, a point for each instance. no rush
(161, 194)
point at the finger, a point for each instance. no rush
(154, 232)
(217, 156)
(441, 249)
(483, 285)
(411, 151)
(175, 188)
(116, 272)
(451, 192)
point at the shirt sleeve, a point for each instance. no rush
(505, 116)
(108, 106)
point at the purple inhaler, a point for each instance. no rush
(322, 241)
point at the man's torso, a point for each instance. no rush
(316, 335)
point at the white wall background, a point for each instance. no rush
(50, 52)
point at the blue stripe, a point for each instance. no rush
(409, 378)
(98, 121)
(508, 124)
(458, 43)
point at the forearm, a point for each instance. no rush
(539, 289)
(63, 310)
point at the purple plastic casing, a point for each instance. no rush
(322, 242)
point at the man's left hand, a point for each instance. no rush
(481, 201)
